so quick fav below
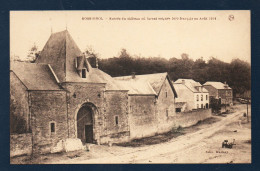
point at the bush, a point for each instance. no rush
(177, 129)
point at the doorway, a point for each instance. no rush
(89, 133)
(85, 124)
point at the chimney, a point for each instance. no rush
(183, 81)
(225, 85)
(133, 75)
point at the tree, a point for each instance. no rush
(236, 74)
(33, 54)
(93, 56)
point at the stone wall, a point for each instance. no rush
(116, 103)
(142, 116)
(183, 119)
(19, 107)
(20, 144)
(212, 91)
(165, 105)
(79, 94)
(186, 96)
(186, 119)
(226, 96)
(48, 107)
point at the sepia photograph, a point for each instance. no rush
(130, 87)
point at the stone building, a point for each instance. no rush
(61, 96)
(191, 92)
(151, 103)
(218, 90)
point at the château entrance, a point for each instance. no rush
(85, 123)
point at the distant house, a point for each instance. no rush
(192, 93)
(218, 90)
(151, 102)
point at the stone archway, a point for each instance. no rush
(85, 123)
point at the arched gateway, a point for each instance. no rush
(85, 122)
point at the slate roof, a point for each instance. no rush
(97, 76)
(217, 85)
(61, 50)
(180, 89)
(35, 76)
(137, 87)
(155, 80)
(179, 104)
(192, 85)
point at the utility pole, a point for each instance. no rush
(247, 110)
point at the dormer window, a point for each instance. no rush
(83, 73)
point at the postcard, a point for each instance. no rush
(130, 87)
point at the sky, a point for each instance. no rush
(221, 34)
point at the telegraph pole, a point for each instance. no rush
(247, 110)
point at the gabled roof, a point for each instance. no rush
(155, 80)
(137, 87)
(35, 76)
(217, 85)
(180, 104)
(192, 85)
(97, 76)
(181, 89)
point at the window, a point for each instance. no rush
(167, 112)
(201, 106)
(52, 127)
(206, 97)
(202, 97)
(197, 97)
(228, 93)
(166, 94)
(198, 106)
(177, 110)
(83, 73)
(116, 120)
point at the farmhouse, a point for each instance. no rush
(218, 90)
(151, 103)
(192, 93)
